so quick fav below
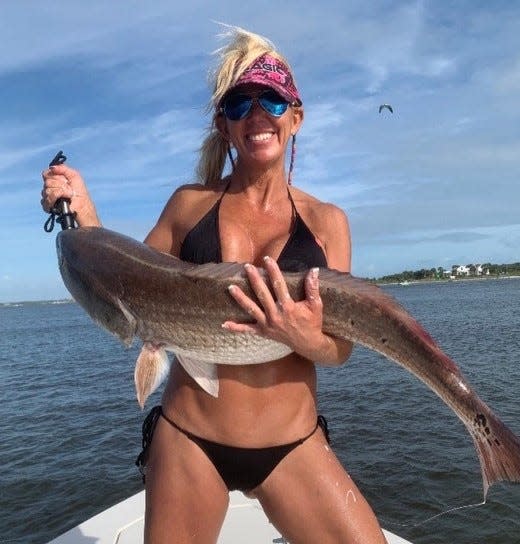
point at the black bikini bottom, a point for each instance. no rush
(240, 468)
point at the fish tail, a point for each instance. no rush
(498, 449)
(151, 368)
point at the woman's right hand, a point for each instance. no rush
(60, 181)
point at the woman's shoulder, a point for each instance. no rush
(190, 196)
(318, 213)
(198, 190)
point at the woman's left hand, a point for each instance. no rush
(279, 317)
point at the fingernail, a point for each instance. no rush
(266, 259)
(315, 273)
(248, 266)
(231, 287)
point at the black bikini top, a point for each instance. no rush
(301, 251)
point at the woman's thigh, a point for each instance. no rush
(186, 500)
(310, 498)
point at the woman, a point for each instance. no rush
(262, 433)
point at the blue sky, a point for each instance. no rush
(121, 87)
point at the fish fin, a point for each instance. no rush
(151, 368)
(205, 374)
(498, 448)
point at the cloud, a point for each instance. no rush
(63, 29)
(458, 237)
(121, 87)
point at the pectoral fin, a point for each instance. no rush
(151, 368)
(205, 374)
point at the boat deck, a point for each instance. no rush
(124, 524)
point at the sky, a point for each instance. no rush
(121, 87)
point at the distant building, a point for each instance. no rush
(481, 271)
(462, 270)
(469, 270)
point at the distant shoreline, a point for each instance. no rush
(406, 283)
(44, 301)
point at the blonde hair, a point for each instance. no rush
(242, 49)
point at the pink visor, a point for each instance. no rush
(271, 72)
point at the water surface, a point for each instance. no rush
(70, 424)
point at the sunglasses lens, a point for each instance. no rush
(273, 103)
(237, 106)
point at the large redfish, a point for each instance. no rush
(132, 290)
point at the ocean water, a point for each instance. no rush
(70, 425)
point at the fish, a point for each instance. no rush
(135, 291)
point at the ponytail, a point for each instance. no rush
(212, 157)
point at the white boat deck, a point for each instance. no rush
(124, 523)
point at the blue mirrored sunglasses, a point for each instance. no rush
(236, 106)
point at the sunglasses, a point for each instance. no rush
(237, 106)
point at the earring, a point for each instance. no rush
(293, 154)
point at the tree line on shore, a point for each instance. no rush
(440, 273)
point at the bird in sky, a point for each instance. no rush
(382, 106)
